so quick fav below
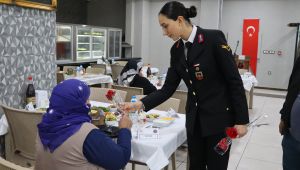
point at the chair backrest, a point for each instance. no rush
(95, 70)
(65, 68)
(116, 70)
(182, 95)
(60, 77)
(165, 106)
(7, 165)
(131, 91)
(23, 129)
(98, 94)
(122, 63)
(103, 66)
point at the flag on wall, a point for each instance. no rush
(250, 41)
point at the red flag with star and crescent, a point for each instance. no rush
(250, 41)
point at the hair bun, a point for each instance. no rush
(191, 12)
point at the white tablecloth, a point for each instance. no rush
(249, 80)
(92, 79)
(156, 152)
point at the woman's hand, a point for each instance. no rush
(129, 107)
(125, 122)
(282, 127)
(241, 130)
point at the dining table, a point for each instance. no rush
(93, 79)
(156, 152)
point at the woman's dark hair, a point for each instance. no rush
(174, 9)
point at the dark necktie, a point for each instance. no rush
(188, 46)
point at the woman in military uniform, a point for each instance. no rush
(216, 98)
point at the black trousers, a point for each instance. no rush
(202, 154)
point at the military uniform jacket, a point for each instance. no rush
(216, 96)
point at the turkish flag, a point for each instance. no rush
(250, 41)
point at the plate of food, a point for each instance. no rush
(105, 109)
(163, 121)
(94, 114)
(152, 116)
(110, 119)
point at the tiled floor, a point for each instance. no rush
(260, 149)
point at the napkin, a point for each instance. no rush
(171, 113)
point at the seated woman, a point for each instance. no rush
(131, 76)
(68, 141)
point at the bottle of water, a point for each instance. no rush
(133, 99)
(77, 71)
(81, 70)
(134, 117)
(133, 113)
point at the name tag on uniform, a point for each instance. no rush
(199, 75)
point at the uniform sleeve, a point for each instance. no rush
(171, 83)
(233, 79)
(101, 150)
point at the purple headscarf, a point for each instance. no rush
(67, 112)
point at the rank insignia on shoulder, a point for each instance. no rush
(227, 47)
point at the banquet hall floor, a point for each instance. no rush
(260, 149)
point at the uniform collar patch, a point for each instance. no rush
(200, 38)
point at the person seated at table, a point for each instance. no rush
(68, 141)
(131, 76)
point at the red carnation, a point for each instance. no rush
(110, 94)
(223, 144)
(231, 132)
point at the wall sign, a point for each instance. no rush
(39, 4)
(268, 52)
(6, 1)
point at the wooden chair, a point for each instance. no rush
(122, 63)
(115, 71)
(103, 66)
(95, 70)
(98, 94)
(165, 106)
(60, 77)
(65, 68)
(7, 165)
(182, 95)
(23, 131)
(131, 91)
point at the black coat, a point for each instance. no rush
(215, 89)
(293, 91)
(142, 82)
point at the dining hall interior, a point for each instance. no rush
(110, 45)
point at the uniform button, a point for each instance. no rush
(196, 104)
(191, 82)
(186, 70)
(227, 108)
(194, 93)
